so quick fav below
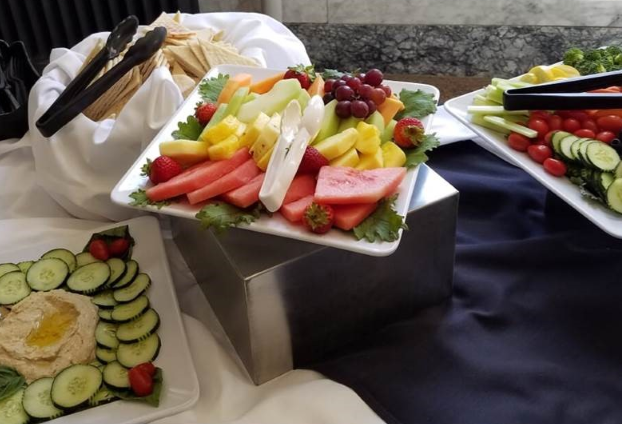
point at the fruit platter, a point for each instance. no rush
(329, 158)
(91, 323)
(574, 153)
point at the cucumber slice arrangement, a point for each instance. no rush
(6, 268)
(140, 285)
(24, 266)
(131, 354)
(85, 258)
(115, 376)
(594, 165)
(104, 299)
(89, 278)
(75, 385)
(105, 335)
(102, 397)
(132, 310)
(13, 288)
(47, 274)
(37, 400)
(127, 278)
(64, 255)
(12, 411)
(106, 355)
(139, 329)
(117, 269)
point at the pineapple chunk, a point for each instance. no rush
(241, 130)
(371, 161)
(265, 160)
(368, 139)
(225, 149)
(349, 158)
(221, 130)
(186, 152)
(267, 138)
(254, 130)
(336, 145)
(392, 155)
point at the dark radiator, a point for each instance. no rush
(45, 24)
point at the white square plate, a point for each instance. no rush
(275, 225)
(181, 386)
(608, 221)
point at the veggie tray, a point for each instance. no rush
(573, 153)
(91, 331)
(345, 168)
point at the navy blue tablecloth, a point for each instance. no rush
(533, 332)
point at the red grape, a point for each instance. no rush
(354, 83)
(346, 77)
(337, 84)
(328, 97)
(359, 109)
(361, 76)
(328, 85)
(374, 77)
(387, 90)
(365, 91)
(371, 106)
(344, 93)
(378, 96)
(343, 109)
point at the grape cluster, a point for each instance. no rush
(357, 95)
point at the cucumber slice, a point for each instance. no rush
(140, 284)
(605, 179)
(565, 146)
(131, 269)
(104, 299)
(75, 385)
(105, 315)
(132, 310)
(618, 172)
(89, 278)
(574, 149)
(6, 268)
(37, 400)
(102, 397)
(100, 366)
(132, 354)
(105, 355)
(24, 266)
(47, 274)
(583, 152)
(117, 269)
(12, 410)
(504, 123)
(556, 139)
(602, 156)
(115, 376)
(64, 255)
(13, 288)
(105, 335)
(614, 195)
(85, 258)
(139, 329)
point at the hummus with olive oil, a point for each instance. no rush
(47, 332)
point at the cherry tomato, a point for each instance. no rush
(554, 167)
(579, 115)
(605, 136)
(571, 125)
(539, 114)
(518, 142)
(99, 250)
(539, 152)
(610, 123)
(565, 114)
(538, 125)
(548, 138)
(589, 124)
(147, 367)
(141, 382)
(118, 247)
(555, 123)
(583, 133)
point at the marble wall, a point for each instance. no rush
(230, 5)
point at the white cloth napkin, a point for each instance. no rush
(80, 164)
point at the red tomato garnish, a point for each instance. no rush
(571, 125)
(605, 136)
(583, 133)
(548, 137)
(538, 125)
(141, 382)
(147, 367)
(554, 167)
(579, 115)
(539, 152)
(118, 247)
(610, 123)
(99, 250)
(539, 114)
(555, 122)
(589, 124)
(518, 142)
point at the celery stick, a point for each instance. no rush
(504, 123)
(479, 120)
(511, 83)
(494, 110)
(495, 95)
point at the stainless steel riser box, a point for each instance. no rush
(285, 303)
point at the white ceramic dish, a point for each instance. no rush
(605, 219)
(181, 386)
(275, 225)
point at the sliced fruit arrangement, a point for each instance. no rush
(218, 157)
(126, 336)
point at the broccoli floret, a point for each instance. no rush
(573, 56)
(613, 51)
(594, 55)
(587, 68)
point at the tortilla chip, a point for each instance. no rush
(185, 84)
(206, 34)
(177, 69)
(172, 26)
(219, 35)
(217, 55)
(187, 60)
(198, 53)
(177, 17)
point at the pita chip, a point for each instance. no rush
(217, 55)
(187, 60)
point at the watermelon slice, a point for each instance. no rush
(237, 178)
(345, 186)
(349, 216)
(246, 195)
(293, 211)
(196, 177)
(301, 186)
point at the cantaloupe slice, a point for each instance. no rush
(317, 88)
(389, 108)
(266, 85)
(232, 85)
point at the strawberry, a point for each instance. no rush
(408, 133)
(304, 74)
(162, 169)
(318, 218)
(204, 112)
(312, 161)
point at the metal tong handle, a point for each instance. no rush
(142, 50)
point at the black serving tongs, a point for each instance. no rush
(79, 95)
(567, 94)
